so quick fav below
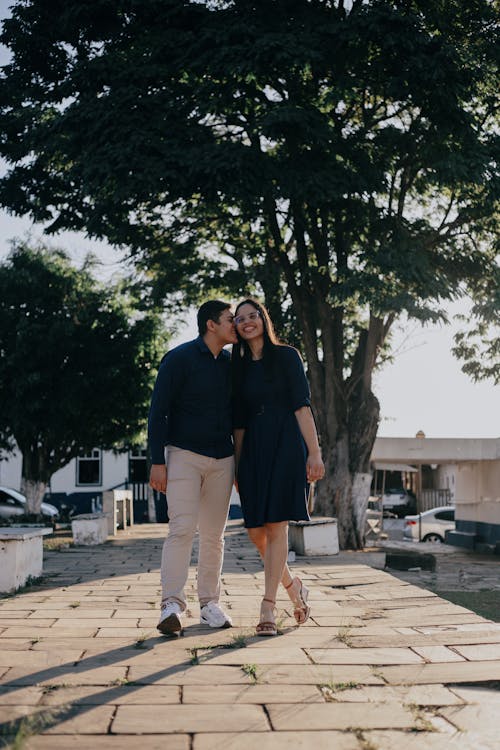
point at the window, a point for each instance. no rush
(88, 468)
(445, 515)
(138, 465)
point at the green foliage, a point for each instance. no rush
(77, 361)
(478, 346)
(341, 162)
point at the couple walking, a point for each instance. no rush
(214, 417)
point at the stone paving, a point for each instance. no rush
(381, 664)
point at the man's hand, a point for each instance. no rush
(158, 477)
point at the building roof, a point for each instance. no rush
(435, 450)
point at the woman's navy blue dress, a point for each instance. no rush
(272, 468)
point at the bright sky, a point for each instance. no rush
(423, 389)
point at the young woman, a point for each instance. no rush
(276, 450)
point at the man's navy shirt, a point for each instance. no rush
(191, 403)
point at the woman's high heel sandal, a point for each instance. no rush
(266, 627)
(299, 595)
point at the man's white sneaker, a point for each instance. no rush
(214, 616)
(170, 618)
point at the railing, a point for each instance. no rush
(428, 499)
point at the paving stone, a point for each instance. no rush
(127, 614)
(83, 644)
(423, 741)
(418, 695)
(473, 716)
(38, 659)
(18, 644)
(108, 742)
(255, 654)
(121, 694)
(64, 676)
(300, 740)
(77, 613)
(254, 694)
(416, 638)
(364, 656)
(489, 652)
(478, 627)
(81, 720)
(319, 674)
(13, 712)
(402, 620)
(33, 631)
(28, 696)
(96, 623)
(340, 716)
(437, 654)
(167, 719)
(126, 632)
(21, 622)
(196, 675)
(477, 694)
(145, 657)
(443, 673)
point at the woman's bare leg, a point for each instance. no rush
(294, 588)
(275, 556)
(258, 536)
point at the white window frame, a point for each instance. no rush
(94, 455)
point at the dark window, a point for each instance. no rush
(9, 500)
(88, 468)
(138, 466)
(445, 515)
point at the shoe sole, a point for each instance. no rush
(170, 625)
(227, 624)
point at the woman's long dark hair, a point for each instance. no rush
(241, 353)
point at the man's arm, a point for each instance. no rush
(164, 390)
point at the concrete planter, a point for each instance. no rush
(316, 537)
(118, 505)
(21, 555)
(89, 529)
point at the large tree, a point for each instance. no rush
(76, 366)
(339, 157)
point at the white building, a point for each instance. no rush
(466, 470)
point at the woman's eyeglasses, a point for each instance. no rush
(242, 318)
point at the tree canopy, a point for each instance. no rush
(339, 158)
(76, 365)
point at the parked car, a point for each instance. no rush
(13, 503)
(398, 502)
(431, 525)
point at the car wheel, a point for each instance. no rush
(432, 538)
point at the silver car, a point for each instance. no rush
(431, 525)
(13, 503)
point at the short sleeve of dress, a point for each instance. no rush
(295, 378)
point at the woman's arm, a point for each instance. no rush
(314, 466)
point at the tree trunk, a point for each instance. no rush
(34, 479)
(34, 492)
(345, 490)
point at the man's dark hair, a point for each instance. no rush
(210, 310)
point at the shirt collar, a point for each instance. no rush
(205, 350)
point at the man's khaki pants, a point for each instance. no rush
(198, 493)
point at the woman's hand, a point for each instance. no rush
(315, 468)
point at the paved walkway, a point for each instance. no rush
(381, 665)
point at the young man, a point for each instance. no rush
(192, 455)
